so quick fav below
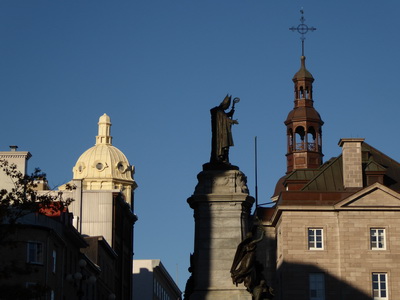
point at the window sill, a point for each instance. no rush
(35, 263)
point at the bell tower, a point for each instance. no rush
(303, 125)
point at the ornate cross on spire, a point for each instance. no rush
(302, 29)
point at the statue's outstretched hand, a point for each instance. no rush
(235, 122)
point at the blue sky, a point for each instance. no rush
(156, 67)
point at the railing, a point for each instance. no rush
(306, 147)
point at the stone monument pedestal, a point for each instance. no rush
(221, 205)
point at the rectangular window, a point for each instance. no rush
(54, 261)
(379, 286)
(317, 286)
(279, 243)
(35, 253)
(30, 284)
(315, 239)
(377, 237)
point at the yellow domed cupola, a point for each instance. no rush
(103, 166)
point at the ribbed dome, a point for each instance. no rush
(303, 113)
(103, 161)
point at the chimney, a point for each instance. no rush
(13, 148)
(352, 162)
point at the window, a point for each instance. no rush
(32, 289)
(30, 284)
(379, 286)
(317, 286)
(315, 239)
(377, 237)
(279, 243)
(54, 261)
(35, 253)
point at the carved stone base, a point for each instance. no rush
(221, 205)
(221, 182)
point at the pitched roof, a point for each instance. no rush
(330, 175)
(392, 175)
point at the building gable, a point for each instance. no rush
(374, 196)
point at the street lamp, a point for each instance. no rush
(81, 277)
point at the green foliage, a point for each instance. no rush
(21, 199)
(24, 198)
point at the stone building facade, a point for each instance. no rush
(151, 281)
(94, 237)
(334, 230)
(104, 201)
(38, 257)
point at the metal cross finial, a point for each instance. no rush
(302, 29)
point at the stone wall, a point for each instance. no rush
(346, 258)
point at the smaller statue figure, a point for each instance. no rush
(263, 291)
(221, 123)
(243, 268)
(189, 288)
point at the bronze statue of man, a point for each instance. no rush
(221, 123)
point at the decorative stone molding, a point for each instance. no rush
(221, 182)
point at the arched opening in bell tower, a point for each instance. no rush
(299, 138)
(311, 139)
(290, 140)
(301, 92)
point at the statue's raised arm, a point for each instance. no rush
(221, 123)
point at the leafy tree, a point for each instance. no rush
(20, 200)
(24, 198)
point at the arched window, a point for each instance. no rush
(299, 138)
(311, 139)
(290, 140)
(320, 140)
(301, 92)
